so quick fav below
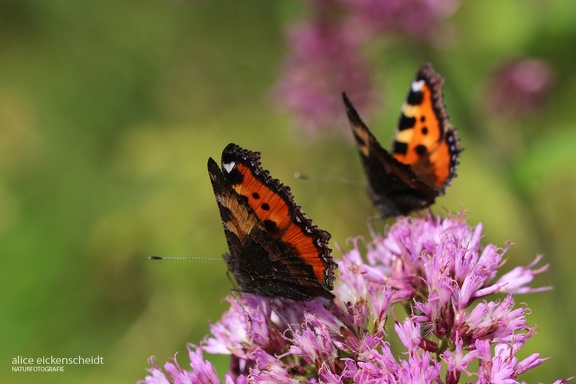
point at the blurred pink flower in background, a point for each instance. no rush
(416, 18)
(326, 54)
(520, 86)
(324, 60)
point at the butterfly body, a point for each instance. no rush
(275, 250)
(424, 153)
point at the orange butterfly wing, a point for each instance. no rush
(279, 217)
(275, 250)
(424, 138)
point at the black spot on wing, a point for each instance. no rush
(400, 147)
(228, 155)
(406, 122)
(234, 177)
(270, 226)
(415, 98)
(421, 150)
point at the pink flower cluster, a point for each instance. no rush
(326, 53)
(454, 327)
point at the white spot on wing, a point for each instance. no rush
(417, 85)
(229, 166)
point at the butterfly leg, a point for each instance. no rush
(370, 222)
(282, 318)
(235, 296)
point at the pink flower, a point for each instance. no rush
(515, 281)
(324, 61)
(434, 268)
(412, 17)
(520, 87)
(202, 371)
(326, 54)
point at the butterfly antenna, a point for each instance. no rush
(335, 179)
(183, 258)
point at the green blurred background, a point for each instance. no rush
(110, 110)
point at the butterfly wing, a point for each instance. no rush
(270, 255)
(393, 186)
(424, 137)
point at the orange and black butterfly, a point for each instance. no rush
(275, 250)
(424, 152)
